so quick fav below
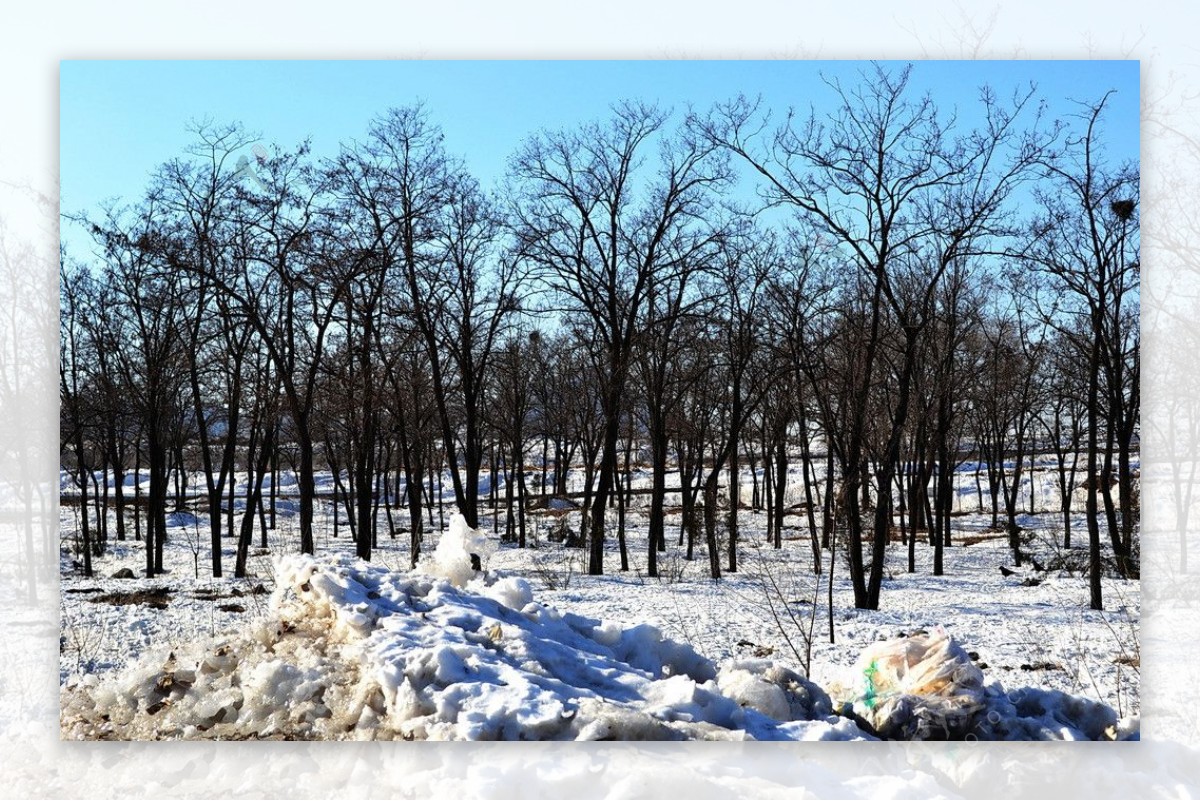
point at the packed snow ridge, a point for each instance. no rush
(355, 651)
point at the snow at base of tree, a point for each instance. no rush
(352, 650)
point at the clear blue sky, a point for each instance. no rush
(121, 119)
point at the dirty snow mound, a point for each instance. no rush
(353, 651)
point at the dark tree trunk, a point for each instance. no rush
(805, 464)
(116, 457)
(519, 461)
(307, 486)
(262, 463)
(752, 463)
(657, 540)
(827, 511)
(735, 502)
(85, 527)
(156, 513)
(622, 500)
(608, 470)
(710, 525)
(137, 492)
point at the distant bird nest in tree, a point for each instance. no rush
(1122, 208)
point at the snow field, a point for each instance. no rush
(349, 650)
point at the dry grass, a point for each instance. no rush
(975, 540)
(154, 597)
(214, 595)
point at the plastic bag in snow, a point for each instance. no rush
(922, 687)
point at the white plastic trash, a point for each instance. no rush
(922, 687)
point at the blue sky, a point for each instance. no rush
(120, 119)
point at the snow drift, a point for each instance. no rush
(354, 651)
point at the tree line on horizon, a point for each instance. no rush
(897, 294)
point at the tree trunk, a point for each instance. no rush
(710, 525)
(115, 458)
(307, 486)
(805, 463)
(85, 527)
(781, 468)
(735, 502)
(519, 461)
(156, 513)
(608, 470)
(657, 540)
(262, 462)
(622, 500)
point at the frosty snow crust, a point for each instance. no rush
(355, 651)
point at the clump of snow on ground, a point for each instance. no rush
(451, 559)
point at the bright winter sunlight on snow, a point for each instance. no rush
(600, 400)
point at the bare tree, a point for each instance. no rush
(511, 420)
(1086, 240)
(431, 220)
(280, 286)
(603, 233)
(196, 193)
(1007, 400)
(134, 247)
(76, 294)
(1063, 418)
(903, 198)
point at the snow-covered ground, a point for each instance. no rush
(1025, 633)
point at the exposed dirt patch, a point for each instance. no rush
(217, 595)
(965, 541)
(154, 597)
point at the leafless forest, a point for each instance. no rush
(878, 296)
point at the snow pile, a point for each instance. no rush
(1030, 713)
(353, 651)
(452, 558)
